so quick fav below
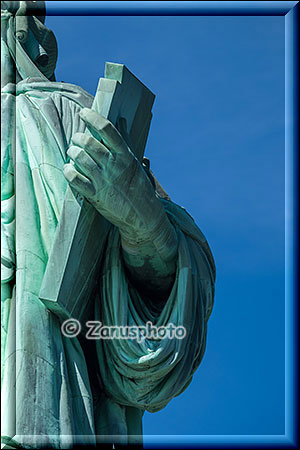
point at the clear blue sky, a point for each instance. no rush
(217, 146)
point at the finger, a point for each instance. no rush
(102, 128)
(81, 183)
(86, 165)
(93, 147)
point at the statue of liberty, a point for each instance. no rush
(156, 265)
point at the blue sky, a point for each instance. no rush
(216, 144)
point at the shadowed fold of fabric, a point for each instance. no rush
(149, 374)
(55, 403)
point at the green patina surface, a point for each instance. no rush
(153, 263)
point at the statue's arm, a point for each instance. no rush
(106, 172)
(152, 259)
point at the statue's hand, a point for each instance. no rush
(109, 176)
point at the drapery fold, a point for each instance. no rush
(47, 396)
(150, 373)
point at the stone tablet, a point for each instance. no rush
(71, 273)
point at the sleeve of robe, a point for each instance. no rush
(147, 374)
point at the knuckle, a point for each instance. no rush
(77, 138)
(80, 156)
(76, 153)
(73, 176)
(106, 126)
(70, 150)
(90, 141)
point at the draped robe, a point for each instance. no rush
(53, 391)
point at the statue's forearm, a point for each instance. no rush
(151, 260)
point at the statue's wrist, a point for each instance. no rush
(161, 236)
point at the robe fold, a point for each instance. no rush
(48, 396)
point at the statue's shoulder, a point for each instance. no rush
(39, 87)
